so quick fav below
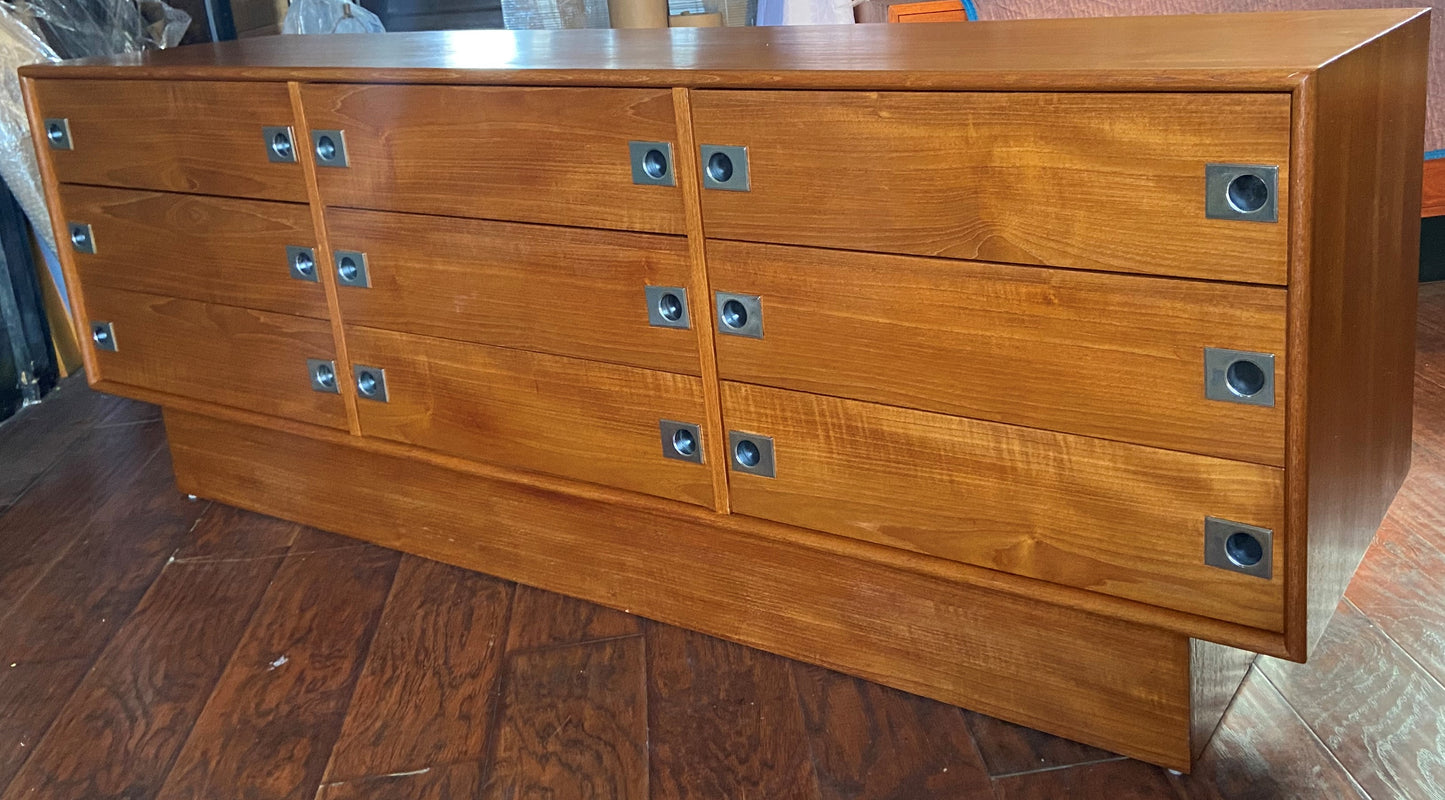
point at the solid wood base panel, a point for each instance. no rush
(1107, 682)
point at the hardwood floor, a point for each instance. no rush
(153, 647)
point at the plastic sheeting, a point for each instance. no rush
(554, 14)
(329, 16)
(19, 46)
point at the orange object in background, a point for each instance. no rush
(930, 11)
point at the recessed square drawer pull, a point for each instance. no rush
(103, 334)
(1241, 191)
(82, 238)
(725, 167)
(330, 148)
(1238, 547)
(740, 314)
(280, 144)
(351, 269)
(667, 307)
(57, 132)
(323, 375)
(371, 383)
(681, 441)
(651, 163)
(302, 261)
(752, 453)
(1239, 376)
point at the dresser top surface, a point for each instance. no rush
(1259, 51)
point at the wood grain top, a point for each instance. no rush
(1270, 51)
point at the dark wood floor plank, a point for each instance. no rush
(62, 505)
(36, 437)
(76, 607)
(870, 742)
(30, 697)
(1430, 334)
(573, 724)
(1008, 748)
(464, 781)
(426, 696)
(121, 730)
(226, 533)
(1375, 709)
(1263, 751)
(1120, 779)
(129, 412)
(546, 619)
(269, 726)
(726, 721)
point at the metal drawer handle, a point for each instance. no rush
(103, 334)
(725, 167)
(330, 148)
(352, 269)
(303, 263)
(651, 163)
(1241, 192)
(681, 441)
(752, 454)
(1237, 547)
(740, 314)
(82, 238)
(667, 307)
(280, 144)
(323, 375)
(57, 132)
(371, 383)
(1239, 376)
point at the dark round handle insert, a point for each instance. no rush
(670, 307)
(747, 453)
(324, 375)
(325, 148)
(348, 269)
(654, 163)
(734, 314)
(1248, 193)
(1243, 549)
(366, 383)
(684, 442)
(281, 146)
(1244, 378)
(720, 167)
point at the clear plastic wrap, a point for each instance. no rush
(329, 16)
(20, 46)
(79, 28)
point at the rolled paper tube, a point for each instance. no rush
(637, 13)
(690, 20)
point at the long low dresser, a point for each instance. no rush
(1051, 369)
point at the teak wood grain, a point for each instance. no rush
(1109, 182)
(225, 354)
(177, 136)
(1113, 356)
(563, 416)
(534, 287)
(557, 156)
(1353, 298)
(1266, 52)
(213, 249)
(1116, 684)
(1114, 518)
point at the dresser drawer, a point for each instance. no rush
(215, 249)
(1114, 518)
(551, 155)
(204, 137)
(233, 356)
(1097, 181)
(556, 290)
(562, 416)
(1112, 356)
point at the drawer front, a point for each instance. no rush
(214, 249)
(1113, 356)
(203, 137)
(233, 356)
(1114, 518)
(533, 287)
(550, 155)
(1097, 181)
(561, 416)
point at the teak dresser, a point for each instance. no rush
(1050, 369)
